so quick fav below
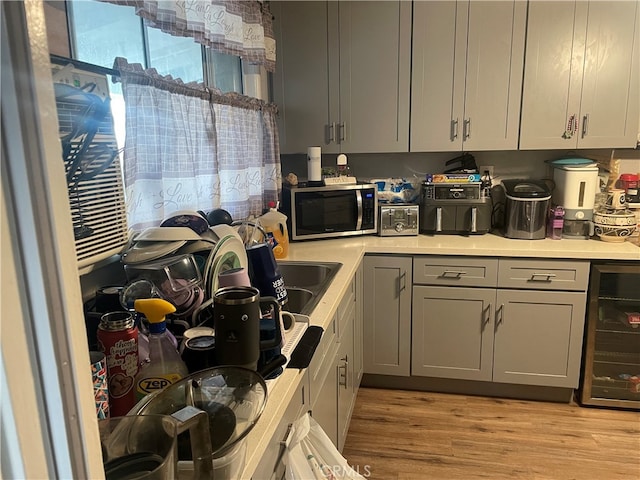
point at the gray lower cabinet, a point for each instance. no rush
(538, 337)
(331, 382)
(452, 335)
(387, 315)
(271, 466)
(531, 334)
(339, 378)
(324, 408)
(509, 336)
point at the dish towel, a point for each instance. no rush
(303, 353)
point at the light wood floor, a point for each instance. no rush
(408, 435)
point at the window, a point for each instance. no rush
(100, 32)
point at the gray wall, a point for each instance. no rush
(508, 164)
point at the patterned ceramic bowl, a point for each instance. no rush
(613, 233)
(622, 218)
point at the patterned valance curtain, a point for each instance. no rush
(242, 28)
(190, 148)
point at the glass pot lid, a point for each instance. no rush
(233, 397)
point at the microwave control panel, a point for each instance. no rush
(398, 220)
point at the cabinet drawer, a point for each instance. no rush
(544, 275)
(455, 271)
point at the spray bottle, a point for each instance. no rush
(275, 224)
(165, 365)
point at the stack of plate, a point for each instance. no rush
(220, 248)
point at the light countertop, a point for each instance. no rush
(350, 250)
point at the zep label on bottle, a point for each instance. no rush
(148, 385)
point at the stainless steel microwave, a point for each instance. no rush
(330, 211)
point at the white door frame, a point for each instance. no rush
(48, 422)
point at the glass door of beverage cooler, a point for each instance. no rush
(611, 362)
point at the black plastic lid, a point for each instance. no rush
(526, 188)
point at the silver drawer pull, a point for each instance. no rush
(542, 277)
(453, 273)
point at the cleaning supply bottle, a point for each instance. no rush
(165, 365)
(275, 224)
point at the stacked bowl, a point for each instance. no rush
(614, 222)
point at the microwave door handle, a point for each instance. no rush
(359, 203)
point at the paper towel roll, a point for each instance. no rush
(314, 165)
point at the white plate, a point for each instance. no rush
(167, 234)
(230, 254)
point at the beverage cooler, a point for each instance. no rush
(611, 361)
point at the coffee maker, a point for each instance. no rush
(575, 190)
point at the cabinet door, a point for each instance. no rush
(271, 465)
(387, 315)
(325, 408)
(437, 78)
(304, 72)
(610, 105)
(495, 57)
(358, 368)
(452, 332)
(538, 337)
(552, 73)
(581, 67)
(345, 372)
(375, 65)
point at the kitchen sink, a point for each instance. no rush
(300, 299)
(306, 282)
(307, 274)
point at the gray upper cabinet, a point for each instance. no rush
(467, 75)
(343, 74)
(581, 80)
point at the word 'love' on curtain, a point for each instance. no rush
(190, 148)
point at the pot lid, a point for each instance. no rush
(233, 397)
(526, 188)
(572, 162)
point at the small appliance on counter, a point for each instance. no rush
(398, 219)
(576, 185)
(330, 211)
(455, 205)
(526, 208)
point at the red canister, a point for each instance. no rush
(629, 181)
(118, 339)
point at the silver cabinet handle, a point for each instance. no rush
(500, 315)
(487, 317)
(331, 132)
(474, 220)
(438, 219)
(542, 277)
(453, 273)
(585, 125)
(454, 129)
(343, 371)
(402, 282)
(466, 129)
(342, 129)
